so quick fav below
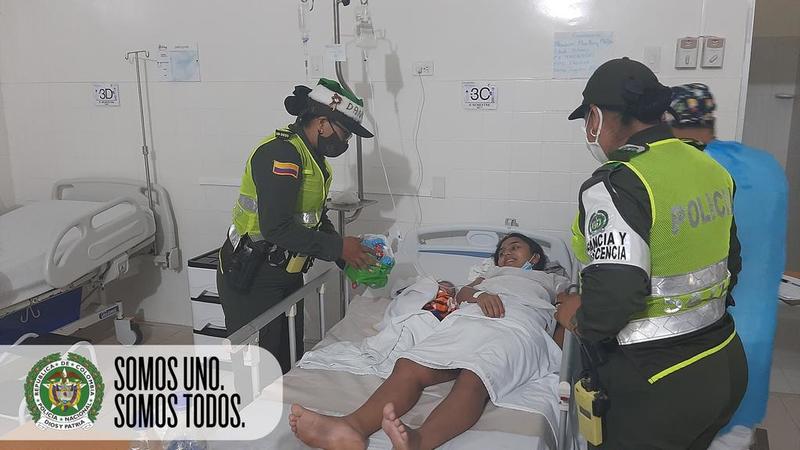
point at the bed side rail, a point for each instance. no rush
(286, 306)
(105, 189)
(96, 244)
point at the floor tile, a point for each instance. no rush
(793, 377)
(778, 381)
(792, 404)
(783, 433)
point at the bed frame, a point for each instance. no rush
(433, 249)
(96, 257)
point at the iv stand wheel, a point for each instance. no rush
(127, 331)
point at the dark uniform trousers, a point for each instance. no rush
(271, 285)
(684, 410)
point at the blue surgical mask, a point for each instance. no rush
(527, 265)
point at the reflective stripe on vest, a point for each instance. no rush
(654, 328)
(308, 218)
(248, 204)
(695, 281)
(693, 301)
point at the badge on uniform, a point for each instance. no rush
(285, 168)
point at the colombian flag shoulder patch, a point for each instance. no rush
(285, 168)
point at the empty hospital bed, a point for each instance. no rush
(447, 253)
(56, 253)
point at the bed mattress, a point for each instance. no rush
(339, 393)
(26, 235)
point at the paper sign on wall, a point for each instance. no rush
(578, 54)
(335, 52)
(479, 95)
(178, 62)
(106, 94)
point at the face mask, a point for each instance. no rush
(528, 265)
(594, 147)
(331, 146)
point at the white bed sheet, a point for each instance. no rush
(498, 428)
(26, 234)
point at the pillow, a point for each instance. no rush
(479, 270)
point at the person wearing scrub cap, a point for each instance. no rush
(760, 211)
(657, 240)
(280, 222)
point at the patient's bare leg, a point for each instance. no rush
(403, 388)
(457, 413)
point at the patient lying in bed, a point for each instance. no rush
(496, 341)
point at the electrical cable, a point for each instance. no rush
(419, 154)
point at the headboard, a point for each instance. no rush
(107, 189)
(448, 252)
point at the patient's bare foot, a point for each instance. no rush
(402, 437)
(326, 432)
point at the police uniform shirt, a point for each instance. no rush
(616, 282)
(277, 199)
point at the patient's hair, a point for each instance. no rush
(534, 246)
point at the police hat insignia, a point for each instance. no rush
(336, 100)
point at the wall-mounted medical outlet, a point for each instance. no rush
(423, 68)
(713, 52)
(686, 53)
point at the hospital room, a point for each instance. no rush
(374, 224)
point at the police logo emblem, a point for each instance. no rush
(336, 100)
(64, 392)
(598, 222)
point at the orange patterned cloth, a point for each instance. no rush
(445, 301)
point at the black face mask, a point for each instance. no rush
(331, 146)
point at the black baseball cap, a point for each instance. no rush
(616, 83)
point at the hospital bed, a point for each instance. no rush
(55, 253)
(447, 253)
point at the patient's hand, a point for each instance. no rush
(491, 305)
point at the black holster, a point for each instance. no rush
(244, 264)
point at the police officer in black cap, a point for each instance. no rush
(657, 240)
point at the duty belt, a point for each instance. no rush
(679, 305)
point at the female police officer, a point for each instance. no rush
(279, 220)
(655, 232)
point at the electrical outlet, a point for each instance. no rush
(423, 68)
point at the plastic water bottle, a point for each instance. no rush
(187, 444)
(181, 441)
(143, 438)
(141, 443)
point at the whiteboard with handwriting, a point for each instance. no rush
(577, 54)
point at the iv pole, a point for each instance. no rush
(362, 202)
(145, 150)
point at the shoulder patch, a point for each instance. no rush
(631, 148)
(283, 133)
(285, 168)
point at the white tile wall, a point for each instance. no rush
(6, 183)
(524, 160)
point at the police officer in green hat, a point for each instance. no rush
(657, 240)
(279, 220)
